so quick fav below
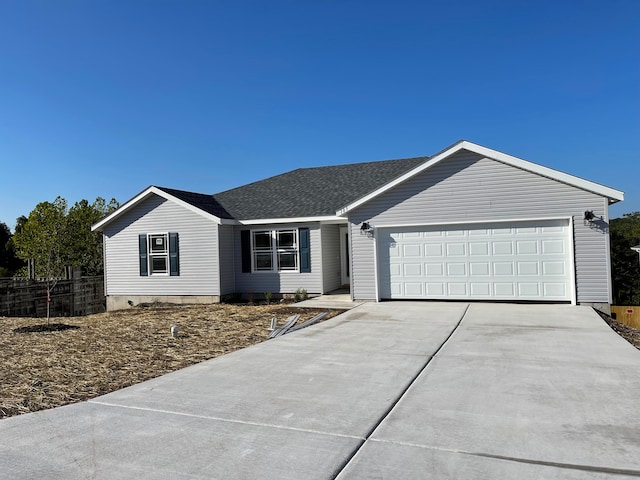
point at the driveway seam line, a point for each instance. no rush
(348, 460)
(228, 420)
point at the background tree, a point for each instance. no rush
(84, 247)
(625, 264)
(56, 236)
(9, 261)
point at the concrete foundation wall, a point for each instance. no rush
(601, 307)
(121, 302)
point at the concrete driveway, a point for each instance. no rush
(391, 390)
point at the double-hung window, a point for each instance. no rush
(275, 250)
(158, 254)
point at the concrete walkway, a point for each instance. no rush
(391, 390)
(334, 301)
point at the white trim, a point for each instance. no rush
(571, 237)
(612, 194)
(274, 250)
(260, 221)
(608, 256)
(345, 256)
(156, 191)
(375, 263)
(150, 255)
(572, 248)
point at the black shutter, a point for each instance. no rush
(142, 250)
(305, 250)
(174, 259)
(245, 246)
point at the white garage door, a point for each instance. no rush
(515, 261)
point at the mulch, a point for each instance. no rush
(74, 359)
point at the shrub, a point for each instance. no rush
(300, 295)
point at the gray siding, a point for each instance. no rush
(199, 268)
(285, 282)
(330, 257)
(468, 187)
(227, 259)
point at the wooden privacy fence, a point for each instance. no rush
(627, 315)
(21, 297)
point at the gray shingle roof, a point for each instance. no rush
(311, 192)
(202, 201)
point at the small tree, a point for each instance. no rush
(55, 237)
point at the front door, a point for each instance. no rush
(345, 261)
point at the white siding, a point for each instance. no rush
(284, 282)
(470, 188)
(199, 269)
(330, 257)
(227, 259)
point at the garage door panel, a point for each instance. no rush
(456, 249)
(480, 289)
(456, 269)
(522, 260)
(434, 269)
(435, 289)
(457, 289)
(553, 268)
(528, 290)
(551, 247)
(478, 249)
(413, 269)
(503, 269)
(477, 269)
(504, 289)
(413, 288)
(502, 248)
(528, 268)
(527, 247)
(433, 250)
(412, 250)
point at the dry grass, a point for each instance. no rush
(109, 351)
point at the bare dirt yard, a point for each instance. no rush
(84, 357)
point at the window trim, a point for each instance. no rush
(275, 250)
(151, 255)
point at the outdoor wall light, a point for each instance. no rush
(365, 227)
(590, 217)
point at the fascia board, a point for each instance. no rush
(145, 194)
(612, 194)
(259, 221)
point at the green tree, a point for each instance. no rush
(57, 236)
(42, 238)
(625, 264)
(9, 261)
(83, 247)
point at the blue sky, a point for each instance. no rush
(106, 98)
